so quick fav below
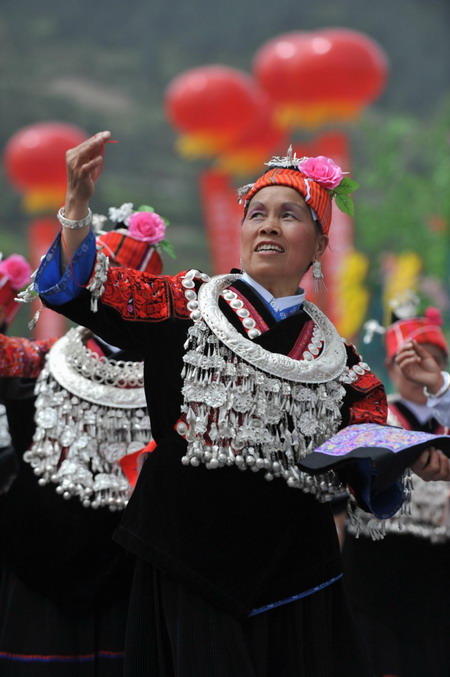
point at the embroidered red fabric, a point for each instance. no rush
(372, 408)
(22, 357)
(144, 297)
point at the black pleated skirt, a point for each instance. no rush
(173, 632)
(399, 590)
(38, 638)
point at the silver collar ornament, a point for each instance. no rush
(249, 407)
(90, 412)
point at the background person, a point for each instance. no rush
(398, 587)
(76, 411)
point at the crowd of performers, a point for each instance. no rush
(131, 541)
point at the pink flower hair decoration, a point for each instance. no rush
(324, 171)
(142, 224)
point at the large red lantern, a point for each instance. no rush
(35, 164)
(35, 156)
(255, 146)
(318, 77)
(211, 106)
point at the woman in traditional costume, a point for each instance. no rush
(402, 607)
(237, 573)
(77, 417)
(15, 273)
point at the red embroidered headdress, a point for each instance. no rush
(137, 240)
(317, 179)
(426, 329)
(15, 273)
(407, 324)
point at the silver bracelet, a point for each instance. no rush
(442, 390)
(74, 225)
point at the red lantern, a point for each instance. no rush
(321, 76)
(35, 156)
(212, 106)
(249, 152)
(35, 164)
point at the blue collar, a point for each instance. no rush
(282, 307)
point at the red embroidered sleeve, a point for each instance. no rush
(372, 407)
(368, 401)
(143, 297)
(21, 357)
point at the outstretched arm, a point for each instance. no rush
(84, 165)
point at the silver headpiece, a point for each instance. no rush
(289, 161)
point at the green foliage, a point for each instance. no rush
(404, 202)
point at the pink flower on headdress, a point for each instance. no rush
(17, 270)
(323, 170)
(147, 227)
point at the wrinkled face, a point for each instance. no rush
(279, 239)
(408, 389)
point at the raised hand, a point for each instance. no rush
(418, 365)
(84, 165)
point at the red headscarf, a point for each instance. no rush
(425, 329)
(313, 193)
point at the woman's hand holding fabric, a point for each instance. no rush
(432, 465)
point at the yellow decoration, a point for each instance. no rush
(309, 116)
(43, 200)
(242, 162)
(195, 146)
(402, 276)
(351, 293)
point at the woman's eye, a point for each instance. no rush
(256, 214)
(288, 215)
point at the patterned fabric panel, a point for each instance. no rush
(21, 357)
(372, 408)
(145, 298)
(371, 405)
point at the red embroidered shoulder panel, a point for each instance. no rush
(21, 357)
(143, 297)
(372, 408)
(371, 403)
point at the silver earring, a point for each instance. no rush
(318, 279)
